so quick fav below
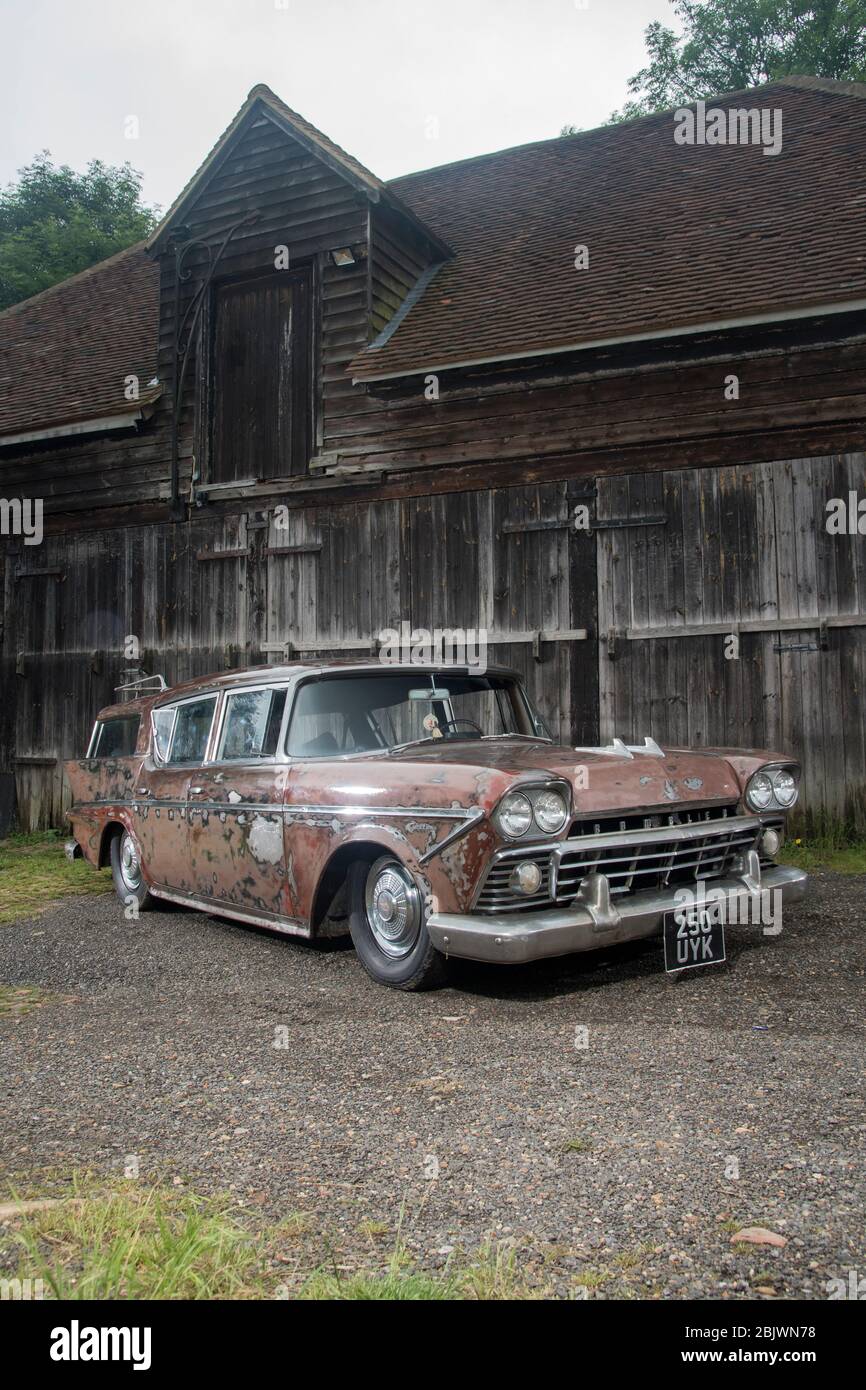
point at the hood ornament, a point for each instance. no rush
(617, 748)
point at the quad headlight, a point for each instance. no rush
(785, 788)
(773, 789)
(544, 809)
(550, 810)
(514, 815)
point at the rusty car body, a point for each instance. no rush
(424, 809)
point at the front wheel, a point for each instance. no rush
(386, 920)
(126, 871)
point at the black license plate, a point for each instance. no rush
(694, 936)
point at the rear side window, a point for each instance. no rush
(191, 730)
(115, 738)
(251, 727)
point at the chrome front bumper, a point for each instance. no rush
(595, 920)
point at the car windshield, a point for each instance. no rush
(336, 715)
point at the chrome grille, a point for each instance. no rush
(677, 847)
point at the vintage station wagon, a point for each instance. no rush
(427, 812)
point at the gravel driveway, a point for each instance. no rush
(614, 1165)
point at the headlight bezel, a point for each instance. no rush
(532, 792)
(770, 772)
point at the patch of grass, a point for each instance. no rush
(825, 852)
(621, 1263)
(576, 1146)
(495, 1275)
(17, 1000)
(492, 1274)
(109, 1238)
(35, 873)
(373, 1229)
(136, 1242)
(391, 1287)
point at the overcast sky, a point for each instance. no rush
(401, 84)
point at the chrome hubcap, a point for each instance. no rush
(130, 865)
(393, 908)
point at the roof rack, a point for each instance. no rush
(142, 682)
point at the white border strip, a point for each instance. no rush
(105, 422)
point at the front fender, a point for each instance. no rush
(312, 842)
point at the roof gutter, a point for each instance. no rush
(125, 421)
(686, 330)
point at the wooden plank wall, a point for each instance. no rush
(396, 261)
(740, 544)
(603, 418)
(603, 404)
(442, 561)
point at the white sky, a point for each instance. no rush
(369, 73)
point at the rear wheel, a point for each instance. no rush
(386, 920)
(126, 871)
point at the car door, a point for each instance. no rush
(179, 743)
(235, 808)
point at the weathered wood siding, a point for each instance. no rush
(740, 545)
(612, 414)
(225, 591)
(396, 261)
(737, 545)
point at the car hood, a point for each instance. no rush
(599, 781)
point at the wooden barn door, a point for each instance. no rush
(259, 380)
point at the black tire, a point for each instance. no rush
(401, 960)
(128, 880)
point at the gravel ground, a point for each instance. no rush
(613, 1166)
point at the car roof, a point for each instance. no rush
(287, 671)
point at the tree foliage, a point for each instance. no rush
(727, 45)
(55, 222)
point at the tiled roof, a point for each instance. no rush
(678, 235)
(64, 353)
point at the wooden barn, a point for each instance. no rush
(315, 405)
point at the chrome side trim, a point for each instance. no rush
(290, 926)
(457, 833)
(268, 808)
(431, 812)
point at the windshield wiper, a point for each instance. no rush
(532, 738)
(446, 738)
(411, 743)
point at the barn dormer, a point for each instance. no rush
(280, 260)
